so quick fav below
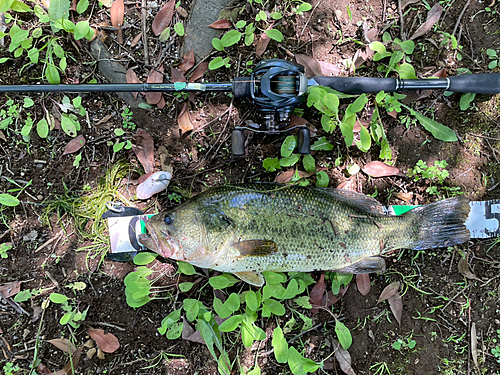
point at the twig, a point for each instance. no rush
(144, 31)
(460, 17)
(401, 21)
(456, 295)
(48, 242)
(310, 15)
(107, 325)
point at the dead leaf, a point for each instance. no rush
(360, 57)
(473, 345)
(2, 136)
(100, 354)
(136, 40)
(132, 78)
(317, 292)
(91, 352)
(161, 104)
(144, 148)
(310, 64)
(463, 268)
(72, 363)
(188, 333)
(44, 369)
(176, 75)
(389, 291)
(347, 185)
(379, 169)
(363, 283)
(199, 71)
(432, 17)
(117, 12)
(285, 177)
(329, 69)
(184, 119)
(155, 76)
(63, 344)
(406, 197)
(396, 305)
(220, 24)
(182, 12)
(10, 289)
(163, 18)
(329, 299)
(343, 358)
(371, 35)
(74, 145)
(262, 44)
(187, 63)
(107, 342)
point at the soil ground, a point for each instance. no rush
(50, 252)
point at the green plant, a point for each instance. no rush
(437, 172)
(73, 316)
(492, 55)
(3, 250)
(127, 119)
(496, 349)
(399, 56)
(404, 344)
(10, 369)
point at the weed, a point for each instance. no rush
(493, 56)
(10, 369)
(380, 368)
(404, 344)
(3, 250)
(127, 119)
(73, 316)
(437, 172)
(496, 349)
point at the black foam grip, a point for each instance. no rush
(484, 83)
(358, 85)
(241, 87)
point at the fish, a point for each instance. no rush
(251, 228)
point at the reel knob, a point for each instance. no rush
(238, 142)
(304, 141)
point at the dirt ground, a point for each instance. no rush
(50, 252)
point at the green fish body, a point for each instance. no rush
(248, 229)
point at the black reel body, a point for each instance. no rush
(276, 88)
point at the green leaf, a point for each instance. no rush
(347, 132)
(343, 334)
(231, 323)
(52, 74)
(65, 318)
(144, 258)
(9, 200)
(274, 306)
(58, 298)
(396, 57)
(26, 129)
(288, 146)
(309, 163)
(249, 38)
(28, 102)
(276, 15)
(118, 146)
(315, 94)
(59, 9)
(280, 346)
(241, 24)
(119, 132)
(222, 281)
(251, 300)
(169, 321)
(365, 139)
(406, 71)
(344, 278)
(274, 277)
(192, 307)
(408, 46)
(275, 34)
(439, 131)
(20, 7)
(322, 145)
(273, 290)
(81, 29)
(271, 165)
(3, 60)
(5, 5)
(22, 296)
(322, 179)
(17, 36)
(289, 161)
(216, 63)
(491, 52)
(175, 331)
(357, 105)
(304, 302)
(493, 64)
(299, 365)
(332, 102)
(233, 302)
(216, 43)
(82, 6)
(304, 7)
(165, 35)
(465, 100)
(377, 47)
(262, 15)
(179, 28)
(230, 38)
(185, 268)
(185, 286)
(291, 290)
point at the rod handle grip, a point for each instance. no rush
(358, 85)
(483, 83)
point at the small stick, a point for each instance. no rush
(144, 31)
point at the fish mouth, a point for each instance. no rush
(157, 241)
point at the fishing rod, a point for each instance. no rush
(277, 87)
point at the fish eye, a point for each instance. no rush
(168, 220)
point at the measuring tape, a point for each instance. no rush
(483, 222)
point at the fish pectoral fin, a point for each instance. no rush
(368, 265)
(256, 247)
(250, 277)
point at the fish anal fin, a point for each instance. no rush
(256, 247)
(367, 265)
(250, 277)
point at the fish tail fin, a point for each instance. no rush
(442, 223)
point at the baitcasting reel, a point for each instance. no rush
(277, 88)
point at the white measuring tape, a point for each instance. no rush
(483, 222)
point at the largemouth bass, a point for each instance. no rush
(248, 229)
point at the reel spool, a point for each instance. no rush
(277, 88)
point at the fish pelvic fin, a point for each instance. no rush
(250, 277)
(368, 265)
(441, 223)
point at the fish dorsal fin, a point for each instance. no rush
(256, 248)
(368, 265)
(250, 277)
(214, 219)
(354, 199)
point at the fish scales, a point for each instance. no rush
(248, 229)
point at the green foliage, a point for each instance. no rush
(179, 28)
(493, 56)
(437, 172)
(72, 315)
(402, 344)
(3, 250)
(10, 369)
(399, 56)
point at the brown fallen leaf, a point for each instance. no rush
(463, 268)
(317, 292)
(10, 289)
(184, 119)
(161, 104)
(406, 197)
(136, 40)
(117, 12)
(132, 78)
(107, 342)
(363, 283)
(187, 63)
(262, 44)
(163, 18)
(44, 369)
(432, 17)
(343, 358)
(396, 305)
(70, 367)
(189, 334)
(379, 169)
(176, 75)
(63, 344)
(329, 299)
(155, 76)
(91, 352)
(473, 345)
(199, 71)
(100, 354)
(74, 145)
(286, 176)
(144, 148)
(220, 24)
(389, 291)
(310, 64)
(329, 69)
